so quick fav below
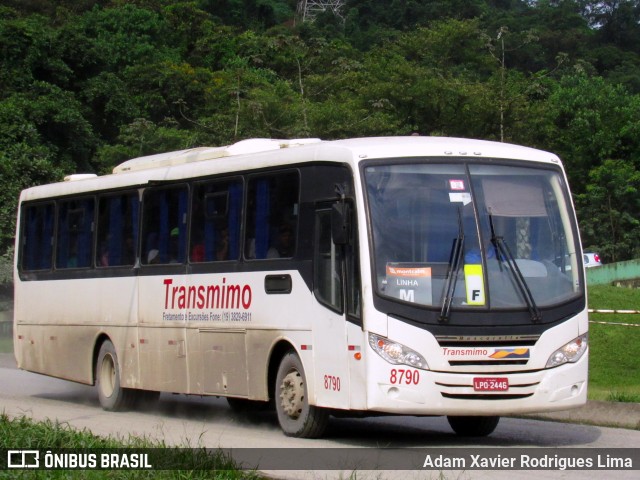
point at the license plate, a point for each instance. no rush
(482, 384)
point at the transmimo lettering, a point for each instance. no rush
(210, 297)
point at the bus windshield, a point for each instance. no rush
(463, 236)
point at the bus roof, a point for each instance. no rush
(243, 147)
(261, 153)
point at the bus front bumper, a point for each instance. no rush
(399, 389)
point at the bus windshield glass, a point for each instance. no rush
(481, 236)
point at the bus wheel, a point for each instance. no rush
(111, 395)
(473, 426)
(296, 417)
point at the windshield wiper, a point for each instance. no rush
(452, 272)
(502, 249)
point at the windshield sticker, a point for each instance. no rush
(474, 282)
(410, 283)
(456, 184)
(460, 197)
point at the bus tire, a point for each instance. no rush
(470, 426)
(296, 417)
(111, 395)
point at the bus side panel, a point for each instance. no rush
(356, 346)
(330, 355)
(162, 341)
(59, 341)
(230, 342)
(259, 345)
(163, 359)
(224, 354)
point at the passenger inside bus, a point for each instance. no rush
(222, 245)
(283, 245)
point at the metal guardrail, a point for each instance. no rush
(6, 322)
(615, 311)
(6, 328)
(623, 312)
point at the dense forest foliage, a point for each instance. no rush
(86, 84)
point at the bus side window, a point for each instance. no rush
(215, 221)
(272, 216)
(75, 233)
(117, 230)
(164, 226)
(37, 233)
(327, 263)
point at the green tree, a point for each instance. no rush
(21, 166)
(50, 118)
(29, 52)
(126, 35)
(609, 211)
(142, 137)
(589, 120)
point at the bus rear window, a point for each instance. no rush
(37, 237)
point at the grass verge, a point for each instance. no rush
(49, 435)
(614, 362)
(6, 344)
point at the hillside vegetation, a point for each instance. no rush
(86, 84)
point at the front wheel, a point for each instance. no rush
(473, 426)
(111, 395)
(296, 417)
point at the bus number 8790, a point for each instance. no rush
(408, 377)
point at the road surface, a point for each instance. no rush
(209, 422)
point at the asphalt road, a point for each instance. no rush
(208, 422)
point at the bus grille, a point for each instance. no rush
(464, 363)
(487, 341)
(484, 396)
(460, 341)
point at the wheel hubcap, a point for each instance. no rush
(292, 394)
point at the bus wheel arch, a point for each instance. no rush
(103, 337)
(296, 416)
(279, 350)
(112, 396)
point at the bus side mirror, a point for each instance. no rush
(340, 223)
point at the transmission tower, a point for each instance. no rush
(308, 9)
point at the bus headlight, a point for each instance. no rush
(570, 353)
(396, 353)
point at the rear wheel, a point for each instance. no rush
(473, 426)
(296, 417)
(111, 395)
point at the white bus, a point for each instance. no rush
(412, 276)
